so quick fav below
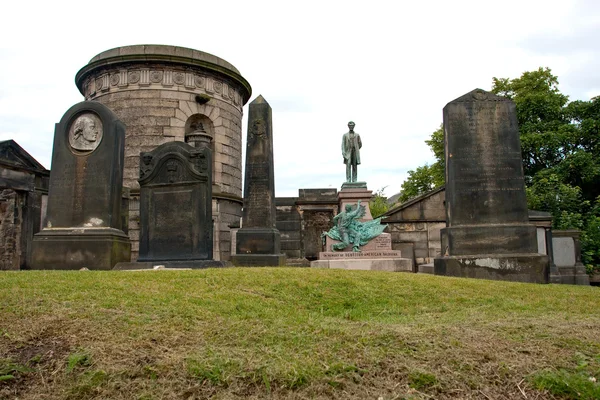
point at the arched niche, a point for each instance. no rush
(200, 122)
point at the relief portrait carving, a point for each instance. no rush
(85, 133)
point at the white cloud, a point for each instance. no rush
(389, 66)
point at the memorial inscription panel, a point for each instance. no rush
(175, 203)
(483, 162)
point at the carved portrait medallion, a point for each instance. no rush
(85, 133)
(259, 129)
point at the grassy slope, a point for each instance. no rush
(293, 333)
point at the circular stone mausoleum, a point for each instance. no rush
(161, 93)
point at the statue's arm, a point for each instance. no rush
(354, 213)
(359, 142)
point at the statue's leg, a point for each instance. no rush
(354, 172)
(348, 172)
(356, 244)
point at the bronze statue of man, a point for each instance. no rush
(351, 145)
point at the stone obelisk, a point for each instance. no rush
(258, 241)
(487, 232)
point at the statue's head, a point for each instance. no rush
(351, 125)
(85, 127)
(348, 207)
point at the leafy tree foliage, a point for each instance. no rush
(378, 204)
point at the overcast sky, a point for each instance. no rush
(389, 66)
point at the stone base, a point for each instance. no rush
(354, 185)
(426, 269)
(258, 241)
(258, 260)
(297, 262)
(352, 194)
(189, 264)
(381, 242)
(575, 275)
(490, 239)
(532, 268)
(380, 264)
(76, 248)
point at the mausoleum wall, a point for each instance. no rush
(158, 92)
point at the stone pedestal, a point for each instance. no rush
(351, 193)
(76, 248)
(567, 258)
(487, 232)
(377, 255)
(84, 219)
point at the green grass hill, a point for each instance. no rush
(293, 333)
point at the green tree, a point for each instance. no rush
(378, 204)
(427, 177)
(560, 143)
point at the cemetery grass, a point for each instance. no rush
(293, 333)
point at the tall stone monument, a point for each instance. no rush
(487, 233)
(84, 225)
(258, 241)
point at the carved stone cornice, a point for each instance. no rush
(164, 67)
(139, 77)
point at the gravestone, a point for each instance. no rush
(175, 203)
(487, 233)
(83, 227)
(258, 242)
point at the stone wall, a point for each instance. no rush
(23, 194)
(415, 227)
(10, 230)
(301, 221)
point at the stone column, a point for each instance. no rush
(258, 241)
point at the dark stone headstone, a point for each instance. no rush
(83, 227)
(487, 233)
(176, 203)
(258, 241)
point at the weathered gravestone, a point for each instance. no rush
(258, 242)
(487, 233)
(84, 225)
(176, 203)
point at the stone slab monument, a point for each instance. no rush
(258, 242)
(84, 224)
(487, 232)
(176, 207)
